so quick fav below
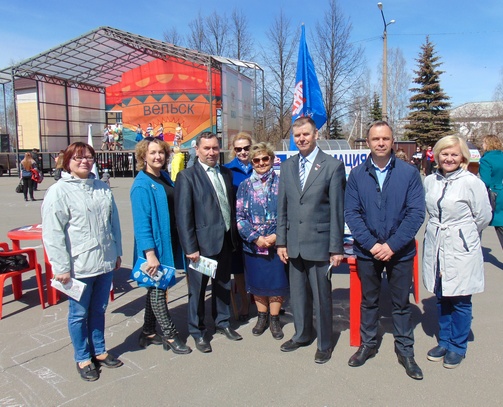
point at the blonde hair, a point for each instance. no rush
(28, 161)
(240, 136)
(452, 141)
(262, 148)
(492, 142)
(142, 148)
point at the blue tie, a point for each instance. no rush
(302, 172)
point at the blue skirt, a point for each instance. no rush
(265, 275)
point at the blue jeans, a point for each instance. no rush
(454, 321)
(86, 318)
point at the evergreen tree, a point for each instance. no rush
(336, 129)
(376, 108)
(429, 118)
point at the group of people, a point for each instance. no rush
(159, 133)
(284, 231)
(112, 138)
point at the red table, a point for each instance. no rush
(34, 232)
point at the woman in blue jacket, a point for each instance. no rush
(156, 238)
(241, 170)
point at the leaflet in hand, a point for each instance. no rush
(74, 288)
(205, 266)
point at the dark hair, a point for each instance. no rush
(75, 149)
(300, 121)
(205, 135)
(379, 123)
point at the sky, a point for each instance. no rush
(468, 36)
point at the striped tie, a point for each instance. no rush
(222, 199)
(302, 171)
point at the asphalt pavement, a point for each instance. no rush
(37, 367)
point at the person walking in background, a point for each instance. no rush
(82, 238)
(309, 236)
(241, 170)
(491, 173)
(178, 162)
(417, 158)
(206, 219)
(192, 154)
(430, 161)
(156, 239)
(59, 165)
(28, 164)
(453, 265)
(384, 210)
(256, 217)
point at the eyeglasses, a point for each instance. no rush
(265, 159)
(239, 149)
(79, 158)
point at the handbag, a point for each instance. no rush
(19, 187)
(35, 176)
(164, 278)
(13, 263)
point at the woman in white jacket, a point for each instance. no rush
(82, 238)
(453, 266)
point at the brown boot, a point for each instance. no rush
(261, 325)
(277, 332)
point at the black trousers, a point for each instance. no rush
(28, 186)
(399, 275)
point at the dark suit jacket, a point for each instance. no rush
(311, 221)
(199, 220)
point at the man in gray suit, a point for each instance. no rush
(206, 222)
(310, 235)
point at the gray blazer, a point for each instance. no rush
(311, 221)
(199, 221)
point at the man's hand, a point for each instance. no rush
(283, 254)
(336, 259)
(193, 257)
(384, 252)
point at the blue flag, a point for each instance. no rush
(307, 97)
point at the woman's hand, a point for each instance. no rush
(271, 240)
(63, 278)
(152, 262)
(261, 242)
(118, 263)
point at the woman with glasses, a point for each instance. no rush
(256, 216)
(241, 170)
(82, 239)
(156, 238)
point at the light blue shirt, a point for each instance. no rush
(381, 174)
(309, 162)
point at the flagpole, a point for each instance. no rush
(94, 170)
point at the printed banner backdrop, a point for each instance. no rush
(350, 158)
(167, 93)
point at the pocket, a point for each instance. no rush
(323, 227)
(84, 247)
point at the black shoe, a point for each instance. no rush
(176, 345)
(110, 361)
(411, 367)
(261, 325)
(146, 340)
(202, 345)
(363, 353)
(26, 199)
(88, 373)
(277, 332)
(452, 359)
(436, 354)
(323, 356)
(291, 345)
(229, 333)
(33, 199)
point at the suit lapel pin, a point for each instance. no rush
(317, 167)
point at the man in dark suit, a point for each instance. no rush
(206, 221)
(310, 235)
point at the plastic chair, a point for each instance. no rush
(16, 275)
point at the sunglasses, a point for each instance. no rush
(265, 160)
(239, 149)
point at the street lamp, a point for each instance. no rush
(384, 65)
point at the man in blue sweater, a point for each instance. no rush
(384, 209)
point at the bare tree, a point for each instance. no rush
(241, 44)
(278, 58)
(173, 36)
(217, 39)
(398, 81)
(498, 91)
(339, 62)
(197, 37)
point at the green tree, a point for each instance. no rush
(376, 108)
(336, 128)
(429, 118)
